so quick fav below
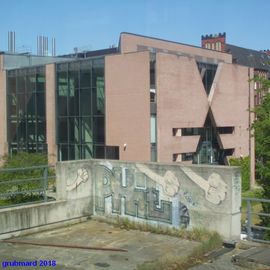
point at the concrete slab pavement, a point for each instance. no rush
(140, 246)
(254, 258)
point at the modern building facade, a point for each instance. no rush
(146, 100)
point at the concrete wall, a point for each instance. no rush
(229, 102)
(70, 204)
(181, 103)
(128, 104)
(22, 219)
(176, 195)
(168, 194)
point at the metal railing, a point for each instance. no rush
(255, 232)
(26, 185)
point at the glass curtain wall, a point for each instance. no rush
(80, 109)
(26, 110)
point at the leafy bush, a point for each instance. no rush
(21, 189)
(24, 159)
(244, 163)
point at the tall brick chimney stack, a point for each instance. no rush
(214, 42)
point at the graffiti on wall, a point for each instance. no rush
(158, 194)
(215, 189)
(82, 177)
(141, 192)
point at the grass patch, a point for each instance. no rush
(195, 234)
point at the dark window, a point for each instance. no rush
(99, 151)
(153, 152)
(112, 152)
(153, 70)
(40, 110)
(207, 72)
(85, 75)
(152, 77)
(63, 152)
(86, 130)
(98, 99)
(73, 103)
(98, 129)
(85, 102)
(63, 130)
(191, 131)
(225, 130)
(200, 131)
(187, 156)
(73, 130)
(74, 75)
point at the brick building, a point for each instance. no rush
(146, 100)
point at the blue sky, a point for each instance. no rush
(96, 24)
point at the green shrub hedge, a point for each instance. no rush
(244, 163)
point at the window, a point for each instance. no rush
(187, 156)
(81, 108)
(208, 72)
(153, 128)
(218, 46)
(152, 77)
(112, 152)
(225, 130)
(26, 109)
(207, 45)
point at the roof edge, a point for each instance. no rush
(166, 40)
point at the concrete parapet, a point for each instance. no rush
(172, 194)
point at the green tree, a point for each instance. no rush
(261, 127)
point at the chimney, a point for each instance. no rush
(214, 42)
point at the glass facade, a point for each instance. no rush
(81, 109)
(26, 110)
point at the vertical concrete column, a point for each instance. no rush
(51, 113)
(3, 112)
